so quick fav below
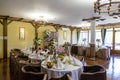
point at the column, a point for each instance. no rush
(93, 33)
(92, 43)
(71, 29)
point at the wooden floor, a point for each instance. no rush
(112, 67)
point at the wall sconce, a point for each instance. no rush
(64, 35)
(21, 33)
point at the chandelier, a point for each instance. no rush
(111, 7)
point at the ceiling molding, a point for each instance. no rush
(110, 25)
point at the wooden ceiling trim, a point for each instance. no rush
(9, 22)
(1, 22)
(31, 21)
(107, 26)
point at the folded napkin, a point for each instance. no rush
(76, 62)
(70, 57)
(59, 64)
(48, 59)
(67, 59)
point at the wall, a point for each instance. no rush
(13, 35)
(74, 38)
(15, 42)
(1, 41)
(61, 40)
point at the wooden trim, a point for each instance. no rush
(113, 39)
(9, 22)
(1, 22)
(5, 38)
(36, 22)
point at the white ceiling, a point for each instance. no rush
(66, 12)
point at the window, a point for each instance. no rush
(84, 35)
(98, 36)
(109, 36)
(117, 38)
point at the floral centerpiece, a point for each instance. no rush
(60, 50)
(37, 42)
(52, 44)
(47, 34)
(67, 46)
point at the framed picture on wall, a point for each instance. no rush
(64, 35)
(21, 33)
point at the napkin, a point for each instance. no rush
(76, 62)
(48, 59)
(70, 57)
(59, 64)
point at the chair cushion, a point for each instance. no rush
(92, 69)
(32, 69)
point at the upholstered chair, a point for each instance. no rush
(65, 77)
(80, 51)
(32, 72)
(104, 53)
(74, 50)
(87, 51)
(94, 72)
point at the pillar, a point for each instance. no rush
(92, 43)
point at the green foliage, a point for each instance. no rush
(37, 41)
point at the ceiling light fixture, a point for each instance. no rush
(112, 7)
(42, 18)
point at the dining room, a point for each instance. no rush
(59, 39)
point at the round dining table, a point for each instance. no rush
(53, 72)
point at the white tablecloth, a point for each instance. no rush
(57, 73)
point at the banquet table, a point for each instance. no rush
(74, 70)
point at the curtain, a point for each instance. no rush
(78, 36)
(103, 34)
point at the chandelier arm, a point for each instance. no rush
(107, 11)
(106, 7)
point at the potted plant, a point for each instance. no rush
(98, 41)
(84, 40)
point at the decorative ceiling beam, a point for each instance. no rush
(89, 19)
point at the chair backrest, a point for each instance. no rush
(80, 50)
(94, 72)
(87, 51)
(32, 72)
(65, 77)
